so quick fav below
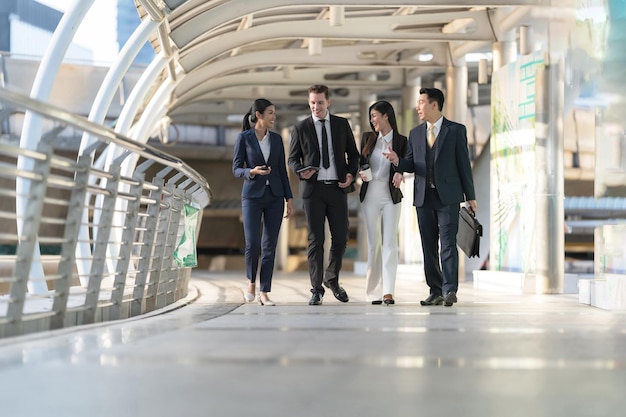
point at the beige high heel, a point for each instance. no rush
(267, 301)
(249, 296)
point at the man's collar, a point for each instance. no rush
(437, 124)
(317, 119)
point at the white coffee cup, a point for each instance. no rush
(366, 173)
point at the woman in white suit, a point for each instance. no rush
(380, 198)
(259, 158)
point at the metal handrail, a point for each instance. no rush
(135, 266)
(108, 135)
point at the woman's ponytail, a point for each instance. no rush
(250, 118)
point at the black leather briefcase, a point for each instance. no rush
(470, 231)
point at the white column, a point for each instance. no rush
(503, 53)
(455, 105)
(455, 109)
(549, 222)
(407, 115)
(33, 124)
(366, 100)
(409, 245)
(282, 248)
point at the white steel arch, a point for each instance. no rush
(209, 50)
(42, 86)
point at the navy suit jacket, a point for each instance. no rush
(399, 146)
(304, 150)
(452, 171)
(247, 155)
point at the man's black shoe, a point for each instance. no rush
(338, 291)
(450, 299)
(432, 300)
(316, 298)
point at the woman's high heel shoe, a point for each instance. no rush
(388, 299)
(249, 295)
(266, 302)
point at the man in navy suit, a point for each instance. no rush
(439, 157)
(324, 155)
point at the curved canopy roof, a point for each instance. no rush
(225, 53)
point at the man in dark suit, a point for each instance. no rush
(439, 157)
(324, 155)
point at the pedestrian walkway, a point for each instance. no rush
(213, 355)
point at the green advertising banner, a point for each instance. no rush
(512, 147)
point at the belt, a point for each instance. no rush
(328, 182)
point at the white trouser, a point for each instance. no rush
(381, 222)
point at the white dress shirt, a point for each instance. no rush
(378, 163)
(331, 172)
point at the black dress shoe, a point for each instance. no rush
(432, 300)
(338, 291)
(450, 299)
(316, 298)
(377, 302)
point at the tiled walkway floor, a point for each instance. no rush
(489, 355)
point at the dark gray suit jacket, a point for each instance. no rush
(452, 170)
(304, 150)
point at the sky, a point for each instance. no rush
(98, 30)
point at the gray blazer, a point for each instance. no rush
(452, 170)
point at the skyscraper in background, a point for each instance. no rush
(127, 22)
(26, 27)
(21, 17)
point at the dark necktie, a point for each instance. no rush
(325, 157)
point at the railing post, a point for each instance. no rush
(125, 250)
(100, 247)
(70, 238)
(27, 239)
(169, 272)
(159, 243)
(141, 292)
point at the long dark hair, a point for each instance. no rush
(385, 108)
(259, 105)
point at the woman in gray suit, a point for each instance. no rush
(259, 158)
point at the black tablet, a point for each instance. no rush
(307, 168)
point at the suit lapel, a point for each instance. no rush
(333, 130)
(314, 141)
(254, 143)
(441, 137)
(421, 143)
(273, 147)
(395, 142)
